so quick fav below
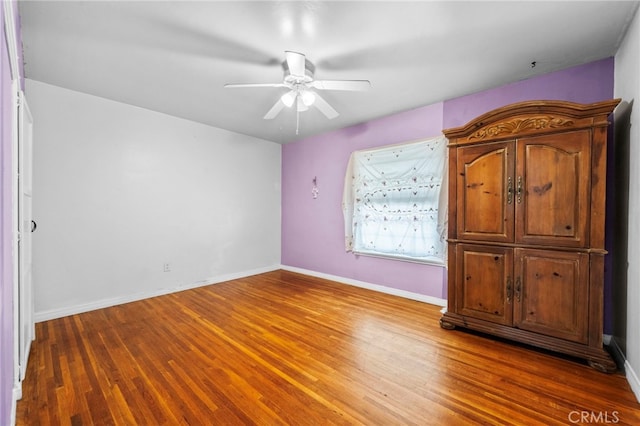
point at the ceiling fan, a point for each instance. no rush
(298, 78)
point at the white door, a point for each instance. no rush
(23, 294)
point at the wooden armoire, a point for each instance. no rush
(526, 227)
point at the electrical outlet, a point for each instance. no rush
(167, 267)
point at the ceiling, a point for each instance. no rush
(174, 57)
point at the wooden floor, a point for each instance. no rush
(284, 348)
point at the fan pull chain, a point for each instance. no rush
(297, 122)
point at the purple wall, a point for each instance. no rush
(588, 83)
(313, 230)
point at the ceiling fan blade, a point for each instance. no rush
(234, 85)
(355, 85)
(275, 110)
(325, 108)
(295, 63)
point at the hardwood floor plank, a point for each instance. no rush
(287, 349)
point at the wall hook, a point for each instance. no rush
(314, 188)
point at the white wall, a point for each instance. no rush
(120, 190)
(627, 87)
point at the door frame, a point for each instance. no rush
(23, 303)
(17, 98)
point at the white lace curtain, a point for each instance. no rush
(394, 201)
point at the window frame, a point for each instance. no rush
(352, 187)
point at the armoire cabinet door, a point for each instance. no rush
(552, 183)
(551, 293)
(485, 185)
(484, 285)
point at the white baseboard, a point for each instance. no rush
(376, 287)
(614, 349)
(16, 396)
(105, 303)
(629, 372)
(632, 378)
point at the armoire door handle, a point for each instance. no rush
(34, 225)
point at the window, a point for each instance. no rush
(393, 202)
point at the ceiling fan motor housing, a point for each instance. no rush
(309, 71)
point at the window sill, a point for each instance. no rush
(430, 261)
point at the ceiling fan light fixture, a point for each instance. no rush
(308, 97)
(301, 106)
(288, 99)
